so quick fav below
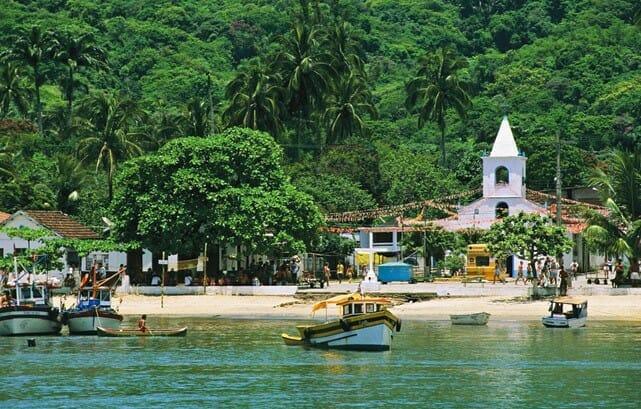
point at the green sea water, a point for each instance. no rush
(244, 364)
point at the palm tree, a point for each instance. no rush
(344, 115)
(198, 113)
(618, 230)
(636, 18)
(306, 72)
(165, 124)
(111, 120)
(12, 93)
(32, 47)
(436, 88)
(344, 49)
(254, 100)
(70, 177)
(76, 53)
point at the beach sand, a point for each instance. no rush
(601, 307)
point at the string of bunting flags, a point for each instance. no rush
(397, 210)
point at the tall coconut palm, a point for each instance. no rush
(436, 88)
(12, 92)
(77, 52)
(70, 177)
(344, 114)
(618, 231)
(344, 49)
(254, 97)
(112, 123)
(198, 113)
(306, 71)
(32, 47)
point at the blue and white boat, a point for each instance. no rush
(93, 309)
(30, 312)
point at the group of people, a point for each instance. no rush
(547, 272)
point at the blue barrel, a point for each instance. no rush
(394, 272)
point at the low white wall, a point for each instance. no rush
(273, 290)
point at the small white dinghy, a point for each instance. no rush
(479, 318)
(567, 312)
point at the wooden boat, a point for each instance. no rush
(132, 332)
(567, 312)
(30, 312)
(93, 309)
(479, 318)
(364, 324)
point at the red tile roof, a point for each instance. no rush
(61, 224)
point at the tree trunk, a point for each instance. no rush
(442, 146)
(70, 98)
(36, 74)
(134, 265)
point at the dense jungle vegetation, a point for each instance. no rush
(374, 102)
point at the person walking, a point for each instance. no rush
(497, 273)
(519, 273)
(326, 274)
(529, 277)
(349, 274)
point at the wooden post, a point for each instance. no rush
(162, 284)
(205, 271)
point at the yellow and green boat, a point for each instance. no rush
(364, 324)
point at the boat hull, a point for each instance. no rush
(86, 322)
(22, 320)
(104, 332)
(563, 322)
(470, 319)
(364, 332)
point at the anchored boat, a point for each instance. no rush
(131, 332)
(567, 312)
(364, 323)
(93, 309)
(30, 312)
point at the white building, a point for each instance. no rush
(61, 225)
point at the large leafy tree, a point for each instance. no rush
(69, 178)
(32, 47)
(227, 188)
(618, 229)
(77, 52)
(345, 112)
(112, 125)
(527, 236)
(255, 97)
(436, 88)
(13, 94)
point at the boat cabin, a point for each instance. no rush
(86, 299)
(569, 307)
(30, 295)
(362, 306)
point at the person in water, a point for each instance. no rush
(142, 323)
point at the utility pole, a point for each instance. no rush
(205, 270)
(558, 178)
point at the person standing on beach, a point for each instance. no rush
(563, 290)
(350, 274)
(519, 273)
(497, 272)
(340, 271)
(326, 274)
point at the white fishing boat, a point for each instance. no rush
(92, 310)
(479, 318)
(364, 323)
(567, 312)
(30, 312)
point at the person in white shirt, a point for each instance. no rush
(188, 279)
(155, 279)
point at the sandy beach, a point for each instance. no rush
(601, 307)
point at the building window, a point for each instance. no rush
(482, 261)
(502, 210)
(383, 238)
(502, 176)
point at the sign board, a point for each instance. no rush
(163, 262)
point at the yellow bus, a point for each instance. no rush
(479, 262)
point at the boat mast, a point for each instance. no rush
(95, 287)
(15, 271)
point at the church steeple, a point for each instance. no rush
(504, 144)
(504, 169)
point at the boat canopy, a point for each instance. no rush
(570, 300)
(347, 298)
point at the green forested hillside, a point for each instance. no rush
(328, 79)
